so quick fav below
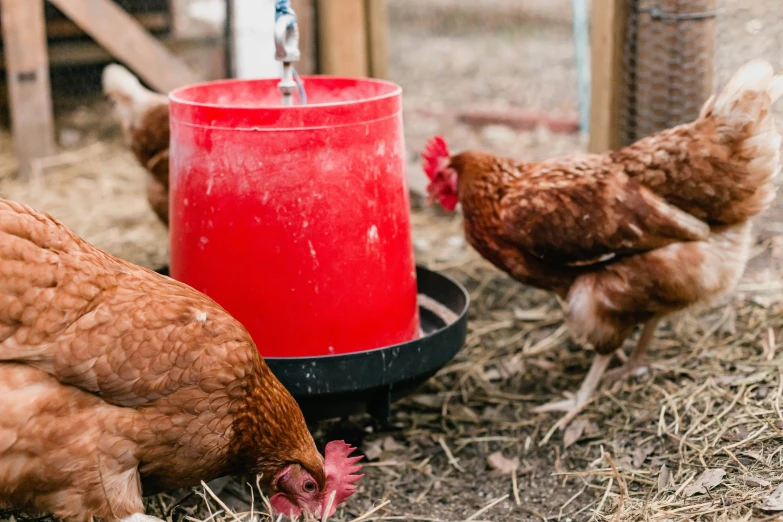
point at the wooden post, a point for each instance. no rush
(29, 91)
(179, 18)
(305, 14)
(342, 38)
(127, 40)
(675, 64)
(377, 39)
(607, 36)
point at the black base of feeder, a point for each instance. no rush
(332, 386)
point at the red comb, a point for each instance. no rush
(340, 472)
(435, 156)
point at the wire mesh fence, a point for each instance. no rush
(502, 53)
(76, 61)
(677, 52)
(192, 29)
(453, 54)
(512, 58)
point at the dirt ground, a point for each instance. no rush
(710, 403)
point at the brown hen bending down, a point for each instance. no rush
(630, 236)
(144, 116)
(114, 378)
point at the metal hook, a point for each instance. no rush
(287, 39)
(287, 51)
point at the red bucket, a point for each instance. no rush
(296, 219)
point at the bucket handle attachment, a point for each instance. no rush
(287, 51)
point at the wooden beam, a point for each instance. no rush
(29, 91)
(305, 14)
(378, 39)
(87, 52)
(66, 28)
(342, 38)
(607, 36)
(129, 42)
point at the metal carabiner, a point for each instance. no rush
(287, 51)
(287, 39)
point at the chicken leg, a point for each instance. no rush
(637, 362)
(575, 405)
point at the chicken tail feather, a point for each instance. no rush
(743, 116)
(119, 80)
(742, 111)
(740, 99)
(130, 97)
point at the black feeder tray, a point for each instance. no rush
(336, 386)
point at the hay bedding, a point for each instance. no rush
(698, 438)
(96, 188)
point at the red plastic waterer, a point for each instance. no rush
(296, 219)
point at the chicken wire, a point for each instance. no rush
(452, 54)
(193, 30)
(677, 52)
(507, 53)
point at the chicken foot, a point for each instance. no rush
(140, 517)
(576, 404)
(637, 362)
(216, 486)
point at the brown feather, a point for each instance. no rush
(638, 233)
(105, 361)
(144, 116)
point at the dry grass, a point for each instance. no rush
(98, 191)
(712, 399)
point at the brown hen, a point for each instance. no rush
(630, 236)
(144, 116)
(116, 380)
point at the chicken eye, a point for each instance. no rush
(309, 487)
